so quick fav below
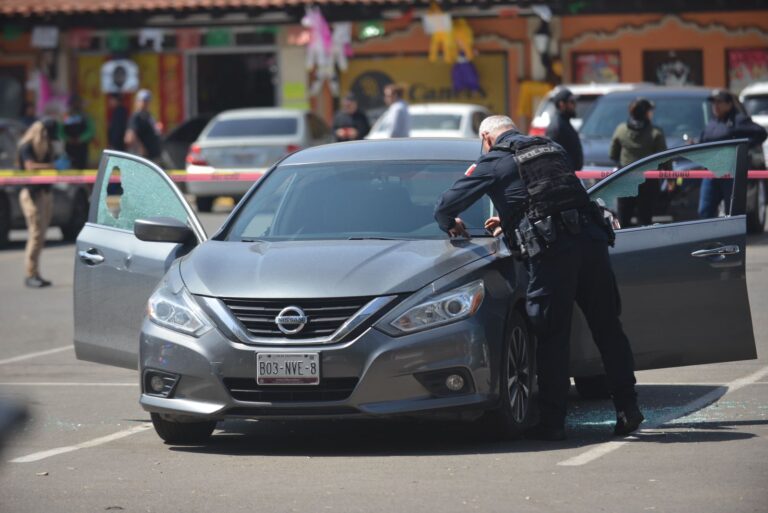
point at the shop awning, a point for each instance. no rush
(39, 8)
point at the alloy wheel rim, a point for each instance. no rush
(518, 374)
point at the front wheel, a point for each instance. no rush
(517, 408)
(182, 432)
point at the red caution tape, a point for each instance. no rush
(88, 176)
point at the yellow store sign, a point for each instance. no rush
(425, 81)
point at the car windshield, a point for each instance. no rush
(676, 116)
(251, 127)
(756, 105)
(435, 121)
(352, 200)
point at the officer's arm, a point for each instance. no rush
(467, 189)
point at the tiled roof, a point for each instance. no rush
(44, 7)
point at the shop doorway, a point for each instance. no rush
(12, 92)
(233, 81)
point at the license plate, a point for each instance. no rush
(288, 368)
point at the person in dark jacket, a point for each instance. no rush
(78, 131)
(634, 140)
(142, 137)
(727, 123)
(118, 123)
(575, 267)
(350, 123)
(562, 132)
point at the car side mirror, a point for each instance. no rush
(163, 229)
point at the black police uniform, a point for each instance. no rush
(574, 267)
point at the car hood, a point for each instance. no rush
(317, 269)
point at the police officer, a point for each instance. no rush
(545, 212)
(562, 132)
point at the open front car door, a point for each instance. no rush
(679, 258)
(115, 272)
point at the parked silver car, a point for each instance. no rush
(331, 292)
(248, 141)
(439, 120)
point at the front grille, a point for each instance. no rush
(324, 316)
(329, 389)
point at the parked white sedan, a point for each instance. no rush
(439, 120)
(248, 141)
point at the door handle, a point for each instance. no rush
(717, 252)
(91, 256)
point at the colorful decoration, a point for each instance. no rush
(319, 50)
(12, 32)
(464, 38)
(218, 37)
(371, 29)
(152, 37)
(341, 44)
(80, 38)
(188, 38)
(464, 77)
(117, 41)
(45, 36)
(438, 25)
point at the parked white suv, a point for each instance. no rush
(755, 100)
(440, 120)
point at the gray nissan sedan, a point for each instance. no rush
(330, 291)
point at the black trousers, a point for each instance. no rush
(576, 268)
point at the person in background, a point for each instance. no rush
(634, 140)
(350, 123)
(36, 153)
(397, 120)
(78, 131)
(118, 122)
(562, 132)
(28, 115)
(727, 123)
(142, 137)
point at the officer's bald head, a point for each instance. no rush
(492, 127)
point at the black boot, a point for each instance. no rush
(628, 420)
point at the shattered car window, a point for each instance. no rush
(695, 184)
(135, 191)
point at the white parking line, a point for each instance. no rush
(52, 384)
(608, 447)
(37, 456)
(35, 355)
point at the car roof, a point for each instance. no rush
(665, 91)
(756, 88)
(447, 108)
(384, 149)
(598, 89)
(263, 112)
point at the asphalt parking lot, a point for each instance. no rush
(89, 447)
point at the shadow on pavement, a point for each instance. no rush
(589, 422)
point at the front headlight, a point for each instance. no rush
(448, 307)
(177, 311)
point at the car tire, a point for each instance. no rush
(204, 203)
(77, 218)
(5, 219)
(592, 387)
(182, 433)
(756, 209)
(517, 383)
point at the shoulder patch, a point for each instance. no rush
(470, 170)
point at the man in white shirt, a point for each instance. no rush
(397, 121)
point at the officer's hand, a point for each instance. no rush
(492, 223)
(459, 229)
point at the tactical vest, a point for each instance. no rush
(552, 186)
